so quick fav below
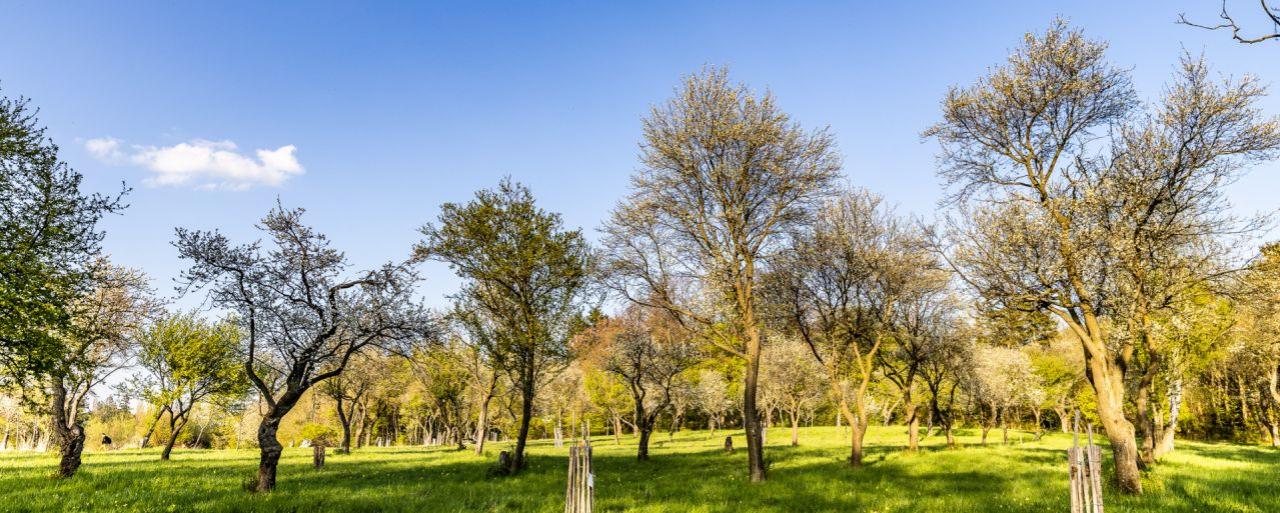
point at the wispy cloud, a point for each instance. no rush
(201, 163)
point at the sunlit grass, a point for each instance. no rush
(692, 473)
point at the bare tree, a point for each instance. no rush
(725, 176)
(303, 320)
(1270, 15)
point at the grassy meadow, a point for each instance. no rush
(689, 474)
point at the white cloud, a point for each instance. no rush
(106, 149)
(202, 163)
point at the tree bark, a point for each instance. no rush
(151, 427)
(482, 417)
(175, 427)
(526, 413)
(270, 450)
(751, 417)
(67, 427)
(795, 428)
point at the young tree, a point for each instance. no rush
(651, 353)
(1055, 220)
(725, 176)
(189, 361)
(524, 277)
(99, 342)
(304, 321)
(49, 239)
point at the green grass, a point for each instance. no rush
(690, 474)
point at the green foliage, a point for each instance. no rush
(191, 359)
(320, 434)
(48, 239)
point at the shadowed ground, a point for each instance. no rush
(690, 474)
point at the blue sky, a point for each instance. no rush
(392, 109)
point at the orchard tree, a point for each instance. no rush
(1052, 222)
(725, 176)
(525, 276)
(650, 353)
(101, 340)
(49, 241)
(188, 361)
(840, 288)
(303, 316)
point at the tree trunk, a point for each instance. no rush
(751, 417)
(482, 419)
(1061, 411)
(913, 426)
(642, 450)
(151, 427)
(1108, 385)
(795, 428)
(526, 412)
(66, 425)
(617, 430)
(1164, 444)
(175, 427)
(270, 450)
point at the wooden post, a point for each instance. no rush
(1085, 470)
(317, 456)
(580, 488)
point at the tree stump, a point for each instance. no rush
(317, 456)
(728, 444)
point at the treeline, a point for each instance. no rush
(1086, 259)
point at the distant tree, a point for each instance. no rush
(304, 322)
(479, 332)
(840, 288)
(713, 397)
(443, 373)
(348, 391)
(189, 360)
(725, 177)
(1001, 376)
(794, 378)
(651, 354)
(1270, 15)
(100, 341)
(49, 239)
(525, 275)
(947, 366)
(608, 392)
